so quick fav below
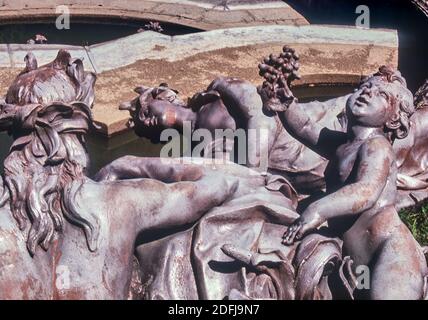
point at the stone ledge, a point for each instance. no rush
(197, 14)
(151, 45)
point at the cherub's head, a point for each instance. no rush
(382, 100)
(154, 109)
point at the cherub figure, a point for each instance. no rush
(361, 196)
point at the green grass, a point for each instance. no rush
(416, 219)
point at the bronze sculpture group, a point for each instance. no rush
(301, 228)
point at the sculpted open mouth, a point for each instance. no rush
(361, 101)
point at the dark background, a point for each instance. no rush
(402, 15)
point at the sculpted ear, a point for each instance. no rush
(393, 124)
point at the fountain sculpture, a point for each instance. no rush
(297, 229)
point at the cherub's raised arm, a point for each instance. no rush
(240, 97)
(321, 139)
(245, 105)
(279, 72)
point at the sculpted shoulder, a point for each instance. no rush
(378, 147)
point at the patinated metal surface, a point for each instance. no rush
(216, 228)
(379, 126)
(51, 226)
(208, 258)
(69, 237)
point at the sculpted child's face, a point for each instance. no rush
(160, 113)
(160, 109)
(370, 106)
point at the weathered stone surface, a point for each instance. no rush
(205, 15)
(4, 55)
(152, 45)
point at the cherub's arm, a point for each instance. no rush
(321, 139)
(375, 158)
(245, 105)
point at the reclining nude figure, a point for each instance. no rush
(360, 205)
(64, 236)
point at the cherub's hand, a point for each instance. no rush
(308, 221)
(278, 72)
(274, 101)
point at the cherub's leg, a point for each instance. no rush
(399, 269)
